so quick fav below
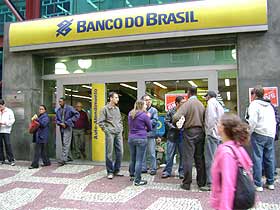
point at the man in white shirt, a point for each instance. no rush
(213, 113)
(7, 119)
(263, 128)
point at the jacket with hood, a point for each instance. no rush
(262, 118)
(224, 174)
(139, 126)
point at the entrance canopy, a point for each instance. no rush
(151, 22)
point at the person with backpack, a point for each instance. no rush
(229, 156)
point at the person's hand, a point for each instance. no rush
(35, 117)
(149, 114)
(160, 149)
(63, 125)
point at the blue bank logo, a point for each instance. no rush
(64, 27)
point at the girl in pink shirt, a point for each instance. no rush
(234, 134)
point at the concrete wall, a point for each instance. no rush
(258, 59)
(22, 93)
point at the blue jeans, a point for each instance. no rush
(151, 147)
(113, 142)
(262, 150)
(137, 148)
(171, 151)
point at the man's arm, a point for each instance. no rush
(182, 111)
(253, 117)
(101, 119)
(168, 120)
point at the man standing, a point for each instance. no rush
(263, 127)
(193, 139)
(213, 113)
(151, 147)
(79, 130)
(66, 116)
(7, 119)
(110, 121)
(174, 140)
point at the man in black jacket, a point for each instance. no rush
(174, 140)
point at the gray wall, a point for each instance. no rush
(258, 58)
(22, 93)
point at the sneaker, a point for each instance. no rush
(259, 189)
(12, 163)
(3, 162)
(181, 176)
(110, 176)
(142, 182)
(61, 163)
(185, 187)
(270, 186)
(32, 167)
(205, 188)
(118, 174)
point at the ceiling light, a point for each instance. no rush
(128, 86)
(228, 96)
(233, 54)
(160, 85)
(192, 83)
(84, 63)
(60, 68)
(78, 96)
(63, 60)
(227, 82)
(86, 86)
(78, 71)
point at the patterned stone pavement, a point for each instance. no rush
(85, 187)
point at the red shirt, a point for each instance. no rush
(82, 122)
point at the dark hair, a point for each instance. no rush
(62, 98)
(42, 105)
(2, 102)
(192, 90)
(258, 91)
(178, 99)
(144, 96)
(235, 129)
(111, 94)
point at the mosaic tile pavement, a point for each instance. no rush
(85, 187)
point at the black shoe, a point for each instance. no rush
(144, 172)
(164, 176)
(32, 167)
(131, 178)
(142, 182)
(3, 162)
(181, 176)
(61, 163)
(69, 159)
(153, 173)
(44, 165)
(185, 187)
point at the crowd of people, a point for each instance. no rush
(209, 137)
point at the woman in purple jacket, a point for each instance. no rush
(40, 138)
(139, 124)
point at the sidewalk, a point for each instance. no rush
(82, 187)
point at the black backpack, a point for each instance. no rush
(244, 197)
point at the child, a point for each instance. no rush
(160, 151)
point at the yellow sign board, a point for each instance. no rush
(188, 18)
(98, 136)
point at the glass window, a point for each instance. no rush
(136, 3)
(141, 60)
(228, 90)
(56, 8)
(87, 6)
(109, 4)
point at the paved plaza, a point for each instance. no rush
(85, 187)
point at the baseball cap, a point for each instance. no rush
(211, 93)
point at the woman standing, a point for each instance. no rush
(234, 134)
(40, 138)
(139, 124)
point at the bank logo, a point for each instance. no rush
(64, 27)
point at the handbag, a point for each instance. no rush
(33, 126)
(244, 197)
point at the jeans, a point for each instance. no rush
(263, 150)
(137, 148)
(210, 149)
(114, 141)
(171, 151)
(8, 147)
(151, 147)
